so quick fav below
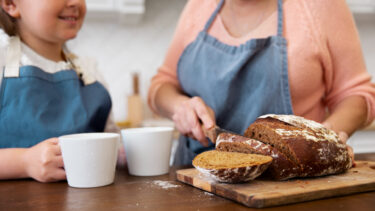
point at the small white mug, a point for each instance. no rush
(148, 150)
(89, 158)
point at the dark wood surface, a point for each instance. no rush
(148, 193)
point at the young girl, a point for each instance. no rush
(45, 91)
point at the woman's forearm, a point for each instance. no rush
(12, 164)
(166, 98)
(349, 115)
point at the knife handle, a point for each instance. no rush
(211, 133)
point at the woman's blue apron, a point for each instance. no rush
(239, 83)
(36, 105)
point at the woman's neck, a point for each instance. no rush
(49, 50)
(246, 4)
(243, 16)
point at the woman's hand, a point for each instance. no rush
(190, 115)
(121, 158)
(347, 117)
(343, 136)
(44, 162)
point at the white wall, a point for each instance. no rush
(364, 141)
(122, 49)
(366, 28)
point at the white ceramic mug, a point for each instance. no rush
(89, 158)
(148, 150)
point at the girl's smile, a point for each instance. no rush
(69, 19)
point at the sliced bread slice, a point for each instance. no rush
(231, 167)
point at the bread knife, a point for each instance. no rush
(213, 132)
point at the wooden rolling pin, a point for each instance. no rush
(135, 104)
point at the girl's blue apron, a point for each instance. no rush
(36, 105)
(239, 83)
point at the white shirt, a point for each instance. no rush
(30, 57)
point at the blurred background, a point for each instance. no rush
(132, 36)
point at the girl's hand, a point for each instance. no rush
(190, 114)
(343, 136)
(44, 162)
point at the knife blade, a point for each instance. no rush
(213, 132)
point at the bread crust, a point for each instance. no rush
(234, 175)
(237, 174)
(281, 168)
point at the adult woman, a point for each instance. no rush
(257, 57)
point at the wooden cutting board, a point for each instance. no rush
(266, 193)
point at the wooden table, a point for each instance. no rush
(149, 193)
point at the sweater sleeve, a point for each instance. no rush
(346, 74)
(190, 23)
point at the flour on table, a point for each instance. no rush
(165, 184)
(209, 194)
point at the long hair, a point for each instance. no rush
(7, 23)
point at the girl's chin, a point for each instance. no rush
(69, 33)
(69, 36)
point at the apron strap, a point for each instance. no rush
(85, 75)
(13, 56)
(280, 17)
(213, 16)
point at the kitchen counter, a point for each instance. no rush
(149, 193)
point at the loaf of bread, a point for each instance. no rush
(231, 167)
(312, 149)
